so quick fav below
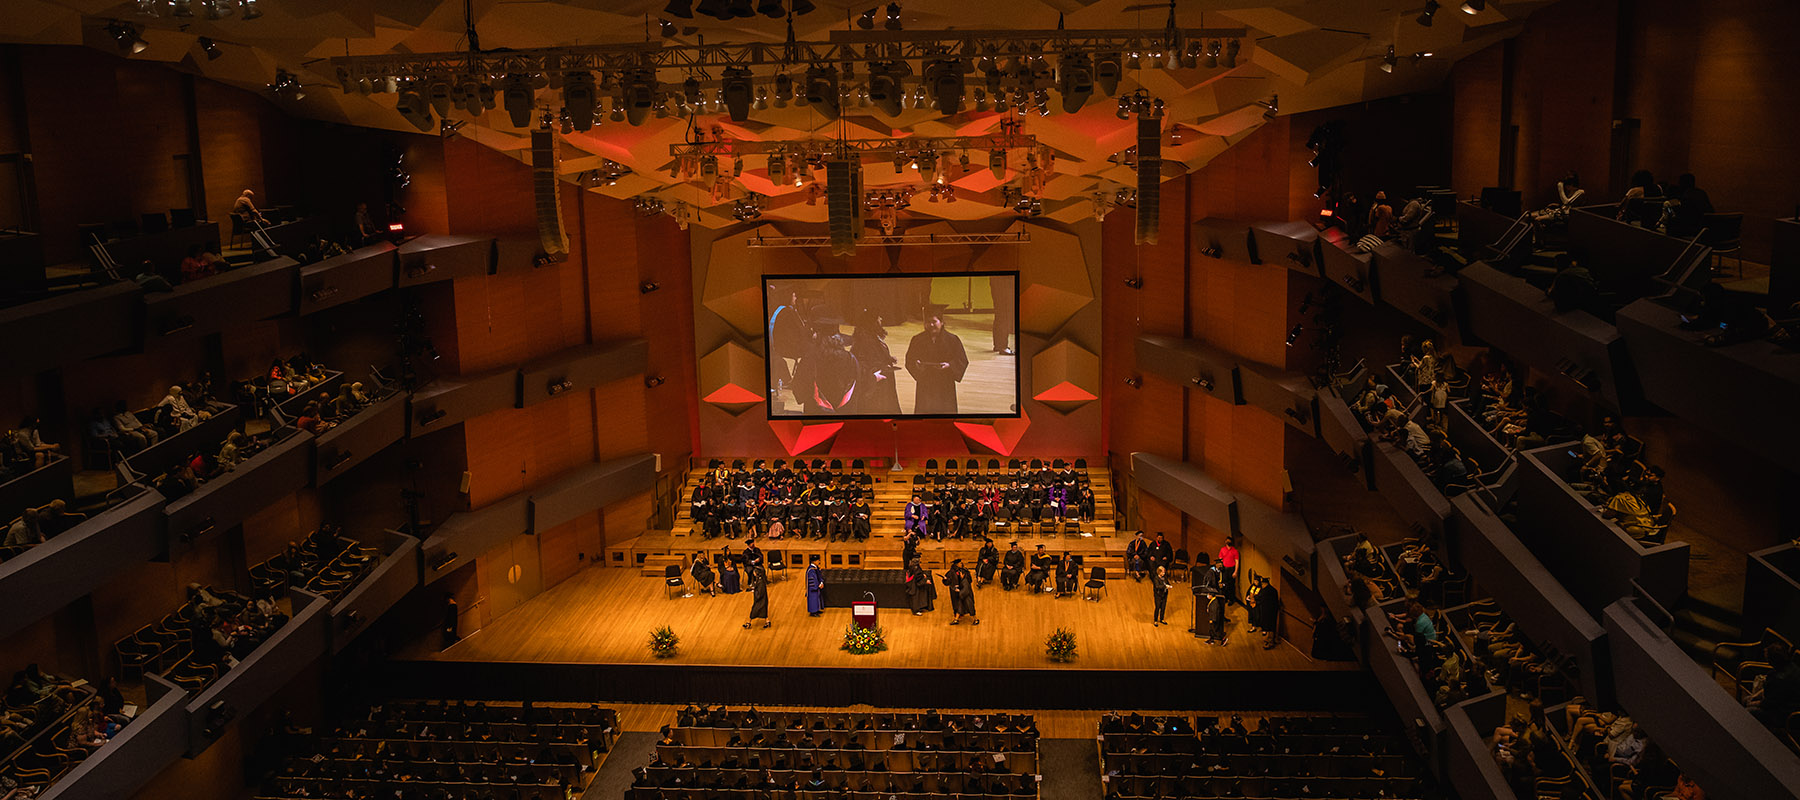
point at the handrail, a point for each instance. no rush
(1651, 607)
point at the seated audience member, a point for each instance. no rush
(100, 429)
(29, 440)
(345, 404)
(196, 265)
(310, 420)
(232, 452)
(1568, 191)
(366, 231)
(244, 208)
(132, 428)
(1778, 696)
(25, 531)
(56, 517)
(1643, 187)
(179, 481)
(1414, 627)
(1573, 288)
(174, 406)
(1625, 508)
(703, 576)
(1684, 213)
(358, 395)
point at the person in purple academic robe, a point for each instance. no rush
(815, 588)
(917, 515)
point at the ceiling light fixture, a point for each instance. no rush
(210, 48)
(1388, 61)
(1426, 16)
(127, 38)
(893, 17)
(1474, 6)
(867, 20)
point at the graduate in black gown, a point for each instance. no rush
(1013, 566)
(987, 561)
(703, 576)
(1042, 564)
(962, 593)
(937, 361)
(759, 598)
(878, 386)
(918, 588)
(729, 577)
(1067, 576)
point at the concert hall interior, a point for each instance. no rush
(899, 399)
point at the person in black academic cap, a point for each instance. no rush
(918, 588)
(1014, 564)
(937, 361)
(759, 597)
(962, 593)
(986, 561)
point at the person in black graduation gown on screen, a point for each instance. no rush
(937, 361)
(825, 380)
(878, 389)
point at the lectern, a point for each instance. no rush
(862, 612)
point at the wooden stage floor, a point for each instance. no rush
(604, 616)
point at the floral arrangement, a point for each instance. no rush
(663, 642)
(863, 641)
(1060, 646)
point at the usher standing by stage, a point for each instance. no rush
(937, 361)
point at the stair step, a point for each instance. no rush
(1705, 625)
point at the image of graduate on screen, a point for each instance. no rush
(884, 346)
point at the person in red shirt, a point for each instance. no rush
(1228, 570)
(196, 266)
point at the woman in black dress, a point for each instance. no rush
(759, 598)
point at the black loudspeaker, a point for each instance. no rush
(1149, 178)
(843, 203)
(551, 238)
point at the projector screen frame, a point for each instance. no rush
(1018, 404)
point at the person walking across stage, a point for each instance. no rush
(1014, 566)
(962, 593)
(1215, 614)
(986, 562)
(815, 587)
(918, 589)
(759, 597)
(1159, 589)
(937, 361)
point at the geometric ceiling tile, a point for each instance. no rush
(1299, 57)
(1065, 376)
(800, 437)
(733, 287)
(997, 437)
(732, 378)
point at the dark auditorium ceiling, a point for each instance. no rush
(1311, 54)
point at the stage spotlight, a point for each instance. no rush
(867, 20)
(1426, 16)
(893, 17)
(250, 9)
(580, 98)
(210, 48)
(1474, 6)
(784, 89)
(1231, 53)
(1075, 81)
(666, 27)
(771, 9)
(638, 90)
(946, 81)
(1388, 61)
(822, 91)
(517, 95)
(218, 9)
(182, 9)
(1107, 69)
(1294, 335)
(738, 93)
(683, 9)
(412, 106)
(885, 89)
(997, 163)
(127, 38)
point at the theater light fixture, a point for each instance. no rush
(683, 9)
(286, 86)
(1430, 12)
(127, 38)
(210, 48)
(1474, 6)
(1294, 335)
(867, 20)
(1388, 61)
(893, 17)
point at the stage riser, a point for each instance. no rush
(1054, 687)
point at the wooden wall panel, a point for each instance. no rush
(510, 575)
(624, 519)
(268, 532)
(231, 148)
(1562, 98)
(512, 450)
(564, 549)
(1476, 127)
